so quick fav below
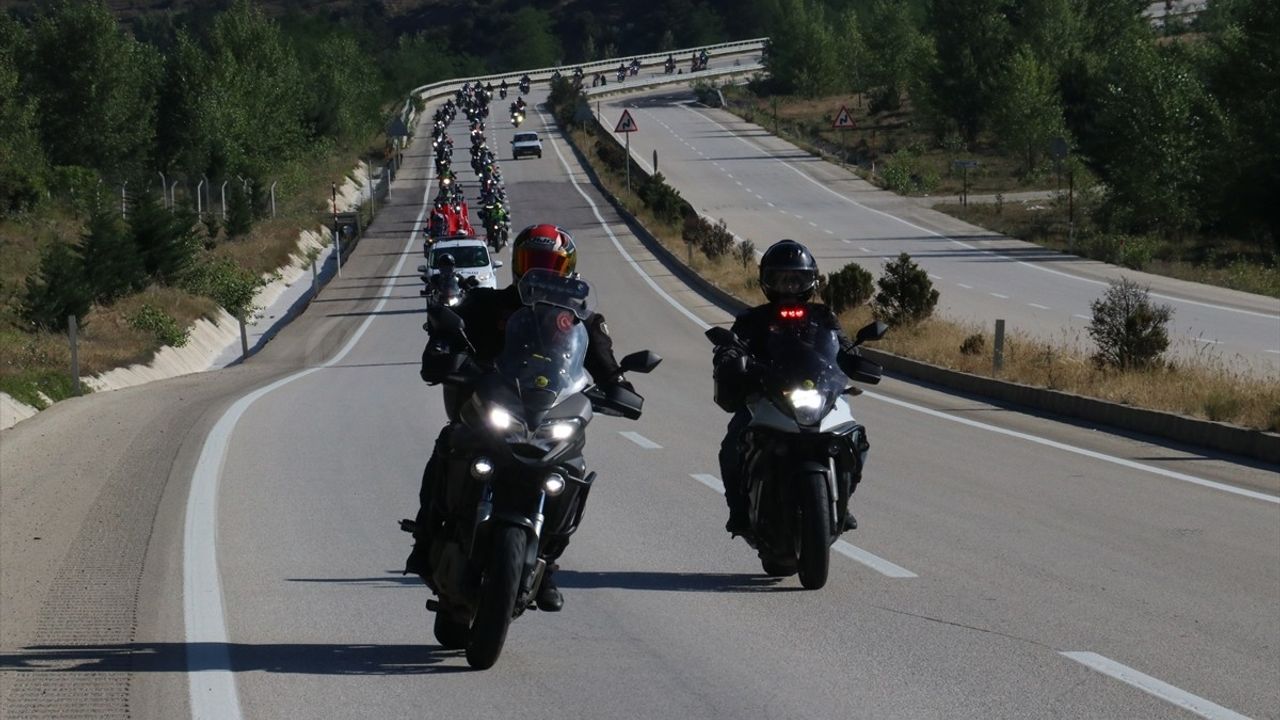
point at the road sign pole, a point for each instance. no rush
(628, 162)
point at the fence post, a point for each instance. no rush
(315, 279)
(273, 198)
(386, 176)
(73, 336)
(124, 198)
(997, 358)
(224, 199)
(244, 338)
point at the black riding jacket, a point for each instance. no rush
(486, 311)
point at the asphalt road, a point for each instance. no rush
(992, 543)
(766, 188)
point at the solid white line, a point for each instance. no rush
(616, 243)
(1078, 450)
(965, 245)
(875, 562)
(998, 295)
(710, 481)
(640, 440)
(1152, 686)
(1040, 307)
(211, 682)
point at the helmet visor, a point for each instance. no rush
(788, 281)
(526, 259)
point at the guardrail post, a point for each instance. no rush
(244, 338)
(315, 278)
(997, 358)
(73, 337)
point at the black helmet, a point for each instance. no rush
(788, 272)
(445, 261)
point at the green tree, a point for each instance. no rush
(239, 210)
(112, 266)
(339, 99)
(1028, 109)
(1128, 329)
(852, 55)
(802, 49)
(96, 89)
(899, 52)
(906, 294)
(1153, 135)
(57, 291)
(973, 42)
(529, 40)
(165, 241)
(22, 163)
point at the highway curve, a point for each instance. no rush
(225, 545)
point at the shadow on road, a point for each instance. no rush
(393, 578)
(286, 658)
(670, 581)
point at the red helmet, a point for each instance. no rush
(543, 246)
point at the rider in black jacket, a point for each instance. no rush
(484, 313)
(788, 276)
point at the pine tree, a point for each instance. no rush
(112, 265)
(165, 241)
(57, 291)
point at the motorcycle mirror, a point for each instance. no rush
(643, 361)
(422, 269)
(873, 331)
(721, 336)
(497, 264)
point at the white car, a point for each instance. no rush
(525, 143)
(471, 259)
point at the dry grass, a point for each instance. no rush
(1206, 389)
(806, 122)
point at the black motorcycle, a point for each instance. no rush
(440, 289)
(803, 451)
(516, 479)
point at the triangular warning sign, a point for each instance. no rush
(843, 119)
(626, 123)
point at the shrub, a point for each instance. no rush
(663, 200)
(161, 324)
(1128, 328)
(975, 344)
(111, 265)
(612, 155)
(848, 287)
(57, 290)
(746, 253)
(904, 173)
(239, 210)
(165, 241)
(906, 294)
(230, 285)
(1132, 251)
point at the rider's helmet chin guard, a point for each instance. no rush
(788, 272)
(544, 246)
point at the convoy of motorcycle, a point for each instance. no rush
(516, 464)
(517, 459)
(804, 451)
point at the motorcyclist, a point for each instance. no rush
(484, 313)
(438, 284)
(788, 276)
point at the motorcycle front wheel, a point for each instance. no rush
(498, 592)
(814, 530)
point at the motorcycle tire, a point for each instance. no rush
(498, 590)
(814, 531)
(451, 635)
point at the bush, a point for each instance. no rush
(239, 211)
(57, 291)
(1131, 251)
(848, 287)
(906, 294)
(975, 344)
(904, 173)
(230, 285)
(663, 200)
(161, 324)
(1127, 328)
(612, 155)
(746, 253)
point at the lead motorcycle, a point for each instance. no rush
(803, 451)
(515, 468)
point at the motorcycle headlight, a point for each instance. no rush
(559, 430)
(483, 277)
(499, 419)
(454, 301)
(802, 399)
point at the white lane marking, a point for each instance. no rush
(1207, 341)
(966, 287)
(729, 175)
(1080, 451)
(1038, 306)
(616, 243)
(749, 190)
(211, 682)
(849, 550)
(1152, 686)
(769, 204)
(930, 411)
(1274, 352)
(998, 295)
(758, 195)
(935, 277)
(710, 481)
(871, 560)
(640, 440)
(865, 250)
(1082, 317)
(739, 182)
(813, 224)
(828, 232)
(965, 245)
(847, 241)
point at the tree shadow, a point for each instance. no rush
(282, 658)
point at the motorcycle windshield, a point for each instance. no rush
(804, 378)
(546, 340)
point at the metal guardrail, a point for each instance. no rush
(539, 75)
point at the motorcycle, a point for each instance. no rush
(524, 84)
(517, 117)
(496, 234)
(803, 451)
(447, 292)
(515, 477)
